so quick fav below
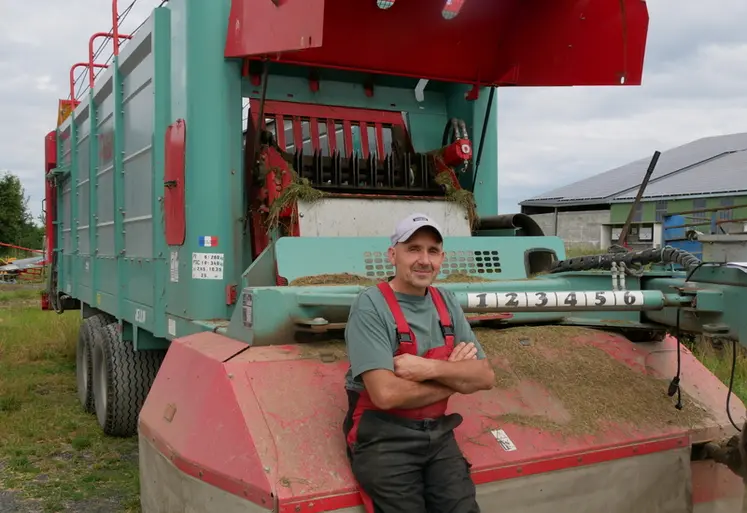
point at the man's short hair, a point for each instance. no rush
(412, 223)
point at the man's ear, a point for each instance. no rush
(390, 254)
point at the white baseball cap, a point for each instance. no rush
(412, 223)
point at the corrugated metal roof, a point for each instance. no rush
(723, 175)
(705, 158)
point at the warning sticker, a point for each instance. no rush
(248, 311)
(172, 327)
(207, 266)
(504, 440)
(174, 266)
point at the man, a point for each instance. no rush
(410, 349)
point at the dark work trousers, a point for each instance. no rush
(410, 466)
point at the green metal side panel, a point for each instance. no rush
(162, 112)
(89, 277)
(206, 93)
(103, 265)
(108, 199)
(64, 215)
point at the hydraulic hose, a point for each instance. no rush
(665, 255)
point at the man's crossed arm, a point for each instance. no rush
(463, 372)
(418, 381)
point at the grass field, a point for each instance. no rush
(53, 456)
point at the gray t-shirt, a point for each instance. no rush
(371, 333)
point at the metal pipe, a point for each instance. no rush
(91, 78)
(72, 77)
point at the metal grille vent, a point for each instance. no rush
(456, 262)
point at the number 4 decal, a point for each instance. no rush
(571, 300)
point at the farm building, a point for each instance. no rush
(709, 173)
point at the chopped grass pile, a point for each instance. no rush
(588, 388)
(566, 386)
(356, 279)
(333, 279)
(462, 278)
(326, 351)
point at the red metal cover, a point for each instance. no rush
(266, 422)
(50, 194)
(173, 183)
(507, 42)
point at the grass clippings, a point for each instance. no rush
(53, 455)
(327, 351)
(461, 197)
(356, 279)
(333, 279)
(462, 278)
(588, 389)
(300, 189)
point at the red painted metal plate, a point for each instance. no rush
(50, 196)
(269, 420)
(258, 27)
(538, 43)
(173, 188)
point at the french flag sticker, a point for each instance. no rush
(208, 241)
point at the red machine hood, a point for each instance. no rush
(489, 42)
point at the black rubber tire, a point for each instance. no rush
(122, 378)
(84, 360)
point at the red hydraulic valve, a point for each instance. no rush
(457, 153)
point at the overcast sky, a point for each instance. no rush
(695, 85)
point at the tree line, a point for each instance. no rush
(17, 224)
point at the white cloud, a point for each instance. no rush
(695, 84)
(39, 41)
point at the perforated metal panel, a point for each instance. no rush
(497, 258)
(456, 262)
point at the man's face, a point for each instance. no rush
(418, 260)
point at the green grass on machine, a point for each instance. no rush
(53, 456)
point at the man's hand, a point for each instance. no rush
(463, 351)
(413, 368)
(417, 368)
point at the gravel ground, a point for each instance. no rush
(11, 503)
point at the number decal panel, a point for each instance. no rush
(566, 300)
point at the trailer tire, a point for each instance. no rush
(122, 378)
(84, 359)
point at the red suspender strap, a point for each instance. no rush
(404, 332)
(447, 327)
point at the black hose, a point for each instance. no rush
(666, 255)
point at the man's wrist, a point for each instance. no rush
(436, 369)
